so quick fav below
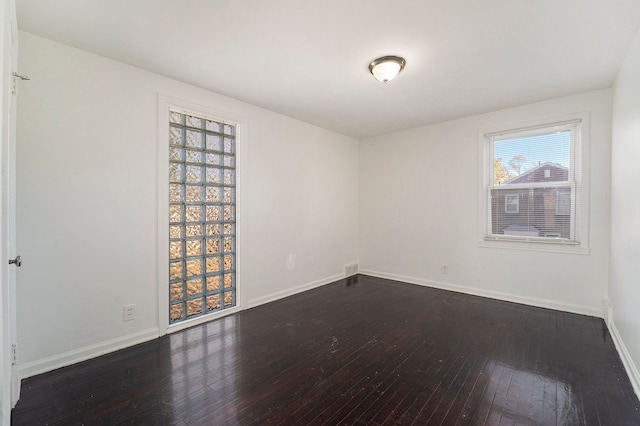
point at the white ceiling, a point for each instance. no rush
(308, 59)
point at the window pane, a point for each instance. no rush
(532, 182)
(531, 212)
(532, 159)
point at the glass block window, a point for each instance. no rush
(202, 216)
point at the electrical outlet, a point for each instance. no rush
(14, 354)
(129, 312)
(444, 269)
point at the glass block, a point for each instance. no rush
(193, 156)
(193, 230)
(175, 136)
(194, 139)
(193, 214)
(194, 287)
(214, 143)
(175, 270)
(213, 126)
(213, 159)
(194, 267)
(213, 246)
(175, 312)
(176, 193)
(213, 175)
(213, 302)
(212, 213)
(175, 249)
(228, 298)
(175, 291)
(213, 264)
(228, 263)
(175, 214)
(228, 145)
(229, 177)
(228, 214)
(194, 174)
(176, 172)
(212, 194)
(212, 229)
(194, 194)
(202, 170)
(228, 195)
(193, 122)
(229, 229)
(175, 117)
(194, 307)
(175, 231)
(228, 244)
(193, 248)
(228, 280)
(176, 154)
(213, 283)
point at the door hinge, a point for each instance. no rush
(14, 354)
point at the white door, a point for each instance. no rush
(9, 48)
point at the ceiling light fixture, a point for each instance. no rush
(386, 68)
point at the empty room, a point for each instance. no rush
(341, 212)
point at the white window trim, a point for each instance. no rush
(165, 103)
(517, 203)
(580, 156)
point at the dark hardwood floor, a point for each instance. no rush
(371, 352)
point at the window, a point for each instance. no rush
(511, 203)
(202, 216)
(532, 187)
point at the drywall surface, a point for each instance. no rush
(624, 284)
(87, 185)
(421, 198)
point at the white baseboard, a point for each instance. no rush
(608, 312)
(82, 354)
(627, 361)
(594, 311)
(294, 290)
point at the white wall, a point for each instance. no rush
(420, 203)
(87, 137)
(624, 284)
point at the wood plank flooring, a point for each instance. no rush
(368, 352)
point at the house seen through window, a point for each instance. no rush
(532, 192)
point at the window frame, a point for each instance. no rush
(577, 180)
(167, 103)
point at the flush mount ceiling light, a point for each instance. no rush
(387, 68)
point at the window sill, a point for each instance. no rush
(534, 245)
